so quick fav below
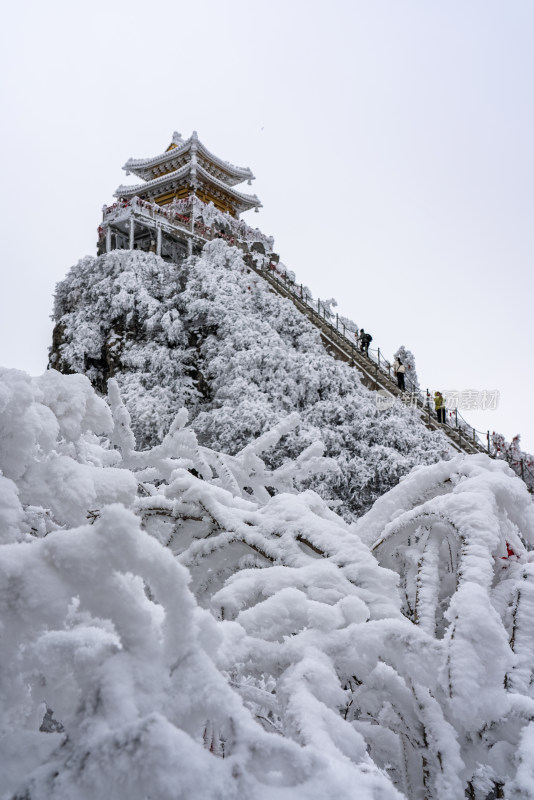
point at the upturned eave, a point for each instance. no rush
(144, 167)
(159, 186)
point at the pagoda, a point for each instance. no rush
(187, 198)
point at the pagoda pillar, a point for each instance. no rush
(132, 232)
(108, 239)
(158, 241)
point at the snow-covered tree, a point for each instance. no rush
(113, 681)
(410, 376)
(520, 461)
(459, 535)
(211, 335)
(178, 621)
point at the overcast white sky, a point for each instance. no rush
(392, 142)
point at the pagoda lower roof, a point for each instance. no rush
(193, 176)
(172, 159)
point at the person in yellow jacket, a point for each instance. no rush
(439, 404)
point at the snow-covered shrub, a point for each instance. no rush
(291, 665)
(212, 336)
(105, 634)
(111, 676)
(117, 315)
(457, 534)
(49, 446)
(520, 461)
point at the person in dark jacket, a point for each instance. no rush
(365, 341)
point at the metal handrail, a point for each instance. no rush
(422, 401)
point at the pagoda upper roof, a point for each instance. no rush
(194, 175)
(178, 153)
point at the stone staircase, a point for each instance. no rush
(374, 375)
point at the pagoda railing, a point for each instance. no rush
(190, 215)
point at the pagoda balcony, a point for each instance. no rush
(174, 230)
